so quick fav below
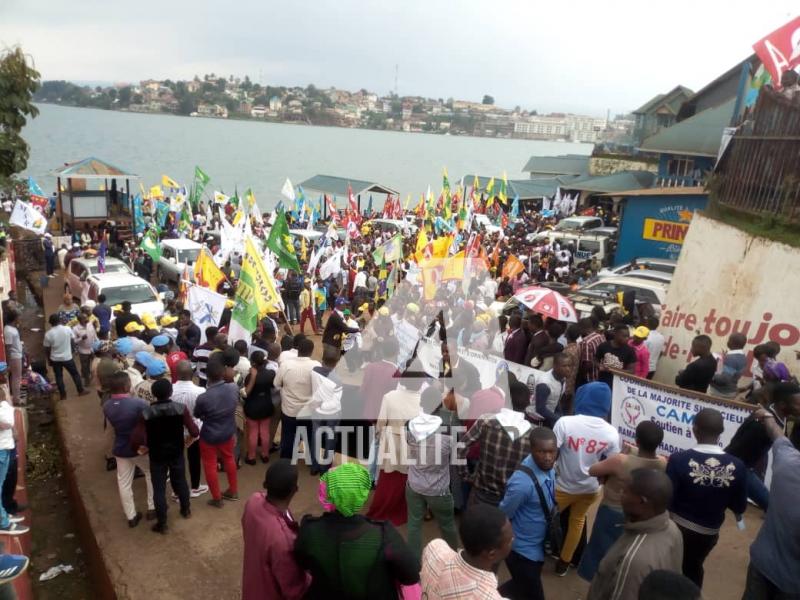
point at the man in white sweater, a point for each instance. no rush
(326, 407)
(294, 380)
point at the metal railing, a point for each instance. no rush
(760, 170)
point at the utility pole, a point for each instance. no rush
(396, 69)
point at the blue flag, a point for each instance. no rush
(138, 217)
(34, 188)
(162, 210)
(515, 206)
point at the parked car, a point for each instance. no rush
(609, 232)
(176, 255)
(118, 287)
(662, 265)
(481, 220)
(80, 269)
(650, 275)
(586, 247)
(579, 223)
(651, 292)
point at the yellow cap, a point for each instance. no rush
(117, 307)
(229, 303)
(641, 332)
(133, 326)
(364, 307)
(149, 321)
(168, 320)
(383, 311)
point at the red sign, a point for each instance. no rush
(780, 50)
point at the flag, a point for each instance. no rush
(332, 266)
(422, 245)
(155, 192)
(206, 307)
(26, 216)
(200, 182)
(206, 272)
(303, 248)
(101, 255)
(445, 185)
(162, 210)
(287, 191)
(220, 198)
(441, 246)
(280, 242)
(34, 189)
(138, 216)
(512, 267)
(389, 251)
(315, 258)
(334, 214)
(168, 182)
(515, 207)
(267, 299)
(454, 267)
(490, 193)
(353, 205)
(502, 195)
(780, 50)
(151, 245)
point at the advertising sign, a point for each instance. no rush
(664, 231)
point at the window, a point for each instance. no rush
(135, 294)
(188, 256)
(76, 268)
(680, 167)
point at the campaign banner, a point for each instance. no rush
(26, 216)
(206, 307)
(780, 50)
(634, 400)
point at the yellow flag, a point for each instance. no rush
(168, 182)
(303, 248)
(255, 274)
(206, 271)
(155, 192)
(490, 193)
(454, 267)
(422, 243)
(441, 246)
(237, 217)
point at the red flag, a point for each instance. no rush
(354, 214)
(332, 208)
(504, 220)
(389, 207)
(777, 51)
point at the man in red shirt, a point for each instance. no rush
(174, 356)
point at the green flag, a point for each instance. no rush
(280, 242)
(200, 182)
(245, 308)
(151, 245)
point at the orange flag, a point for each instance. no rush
(512, 267)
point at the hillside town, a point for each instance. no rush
(234, 97)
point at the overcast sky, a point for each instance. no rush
(579, 56)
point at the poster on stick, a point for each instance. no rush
(634, 400)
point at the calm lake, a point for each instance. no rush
(261, 155)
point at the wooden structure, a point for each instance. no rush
(77, 204)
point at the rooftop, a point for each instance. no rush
(623, 181)
(525, 188)
(699, 135)
(330, 184)
(92, 168)
(678, 92)
(565, 164)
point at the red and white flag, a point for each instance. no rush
(780, 50)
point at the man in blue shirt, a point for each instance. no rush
(103, 313)
(528, 517)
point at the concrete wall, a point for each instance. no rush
(729, 281)
(602, 165)
(654, 226)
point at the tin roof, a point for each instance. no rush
(330, 184)
(92, 168)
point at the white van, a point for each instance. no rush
(80, 269)
(118, 287)
(649, 291)
(586, 246)
(176, 255)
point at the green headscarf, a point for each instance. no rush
(347, 487)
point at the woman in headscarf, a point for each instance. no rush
(349, 556)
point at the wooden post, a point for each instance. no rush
(71, 205)
(60, 208)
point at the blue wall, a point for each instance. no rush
(662, 211)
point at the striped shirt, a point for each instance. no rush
(445, 574)
(200, 361)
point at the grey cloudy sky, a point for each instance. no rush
(579, 56)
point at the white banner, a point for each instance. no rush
(26, 216)
(206, 308)
(635, 400)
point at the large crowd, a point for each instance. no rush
(509, 471)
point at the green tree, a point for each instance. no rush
(221, 84)
(124, 95)
(487, 99)
(18, 83)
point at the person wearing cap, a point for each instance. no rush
(168, 326)
(58, 345)
(642, 367)
(133, 332)
(8, 525)
(150, 324)
(161, 345)
(124, 317)
(49, 254)
(336, 327)
(103, 313)
(123, 411)
(307, 308)
(173, 354)
(154, 369)
(160, 435)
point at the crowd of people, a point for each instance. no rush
(508, 471)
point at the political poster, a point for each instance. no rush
(634, 400)
(26, 216)
(206, 308)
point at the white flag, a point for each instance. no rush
(315, 257)
(220, 198)
(332, 266)
(26, 216)
(206, 308)
(287, 191)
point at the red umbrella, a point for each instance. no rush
(547, 303)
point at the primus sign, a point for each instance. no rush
(635, 400)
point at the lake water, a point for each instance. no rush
(261, 155)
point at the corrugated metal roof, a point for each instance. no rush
(565, 164)
(665, 98)
(617, 182)
(664, 191)
(526, 189)
(330, 184)
(92, 168)
(699, 135)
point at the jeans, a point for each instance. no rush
(308, 315)
(58, 371)
(208, 454)
(5, 461)
(193, 458)
(10, 484)
(289, 427)
(607, 529)
(86, 364)
(442, 509)
(696, 547)
(176, 469)
(756, 490)
(50, 262)
(255, 430)
(126, 466)
(759, 587)
(292, 309)
(579, 505)
(526, 578)
(324, 428)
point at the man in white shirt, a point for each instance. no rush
(655, 345)
(13, 353)
(58, 344)
(8, 525)
(294, 381)
(85, 336)
(184, 391)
